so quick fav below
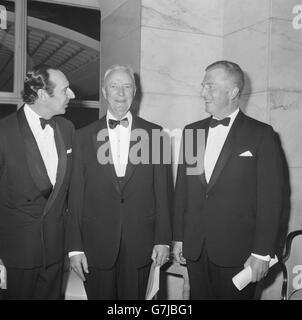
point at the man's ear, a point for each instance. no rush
(104, 93)
(41, 94)
(234, 93)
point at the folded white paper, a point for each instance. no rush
(3, 277)
(153, 281)
(244, 277)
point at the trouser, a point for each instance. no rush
(34, 284)
(124, 281)
(209, 281)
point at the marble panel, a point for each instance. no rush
(172, 111)
(285, 63)
(239, 14)
(256, 106)
(191, 16)
(286, 118)
(250, 49)
(174, 62)
(284, 9)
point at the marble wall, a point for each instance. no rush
(178, 40)
(259, 35)
(120, 38)
(170, 42)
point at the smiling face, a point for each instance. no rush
(119, 91)
(218, 91)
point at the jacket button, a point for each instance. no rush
(207, 195)
(122, 200)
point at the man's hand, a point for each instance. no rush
(177, 252)
(78, 263)
(1, 262)
(259, 268)
(160, 254)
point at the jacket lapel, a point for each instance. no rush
(226, 150)
(202, 176)
(34, 159)
(62, 166)
(130, 166)
(108, 167)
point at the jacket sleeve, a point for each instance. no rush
(180, 195)
(75, 200)
(163, 188)
(269, 194)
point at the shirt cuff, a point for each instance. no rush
(264, 258)
(74, 253)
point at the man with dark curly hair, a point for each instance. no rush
(35, 167)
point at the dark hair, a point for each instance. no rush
(232, 69)
(37, 78)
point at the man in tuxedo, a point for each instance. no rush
(35, 168)
(119, 209)
(227, 217)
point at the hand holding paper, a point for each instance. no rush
(153, 281)
(243, 278)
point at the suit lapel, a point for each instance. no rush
(202, 176)
(108, 167)
(62, 166)
(226, 150)
(35, 162)
(130, 166)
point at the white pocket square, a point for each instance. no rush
(246, 154)
(69, 151)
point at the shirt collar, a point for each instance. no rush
(33, 119)
(232, 116)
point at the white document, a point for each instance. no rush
(244, 277)
(153, 281)
(3, 277)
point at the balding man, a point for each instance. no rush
(119, 210)
(35, 168)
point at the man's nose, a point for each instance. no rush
(70, 94)
(203, 92)
(121, 91)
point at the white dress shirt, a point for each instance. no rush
(45, 141)
(119, 138)
(215, 142)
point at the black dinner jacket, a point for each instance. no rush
(101, 212)
(31, 211)
(237, 213)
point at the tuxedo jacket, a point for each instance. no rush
(31, 211)
(102, 213)
(237, 213)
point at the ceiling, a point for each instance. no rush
(106, 6)
(77, 55)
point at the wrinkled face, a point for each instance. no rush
(216, 91)
(119, 91)
(58, 102)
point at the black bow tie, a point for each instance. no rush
(225, 122)
(113, 123)
(44, 122)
